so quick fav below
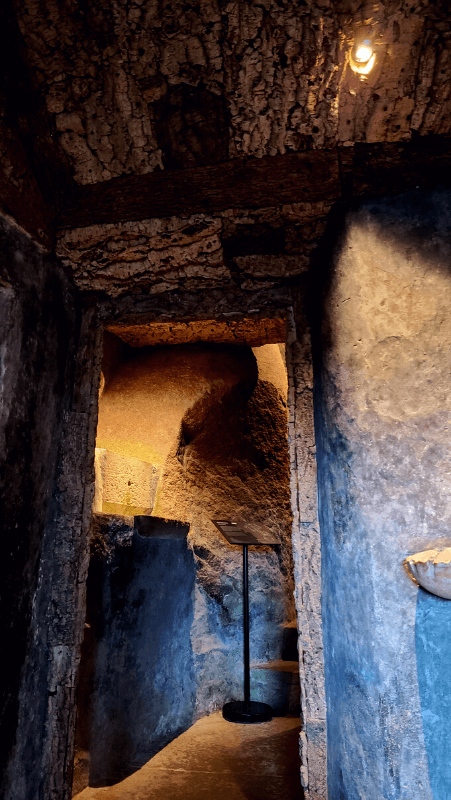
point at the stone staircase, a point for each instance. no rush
(277, 682)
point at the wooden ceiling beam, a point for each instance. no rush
(308, 176)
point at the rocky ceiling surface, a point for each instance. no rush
(144, 85)
(192, 146)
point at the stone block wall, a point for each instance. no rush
(124, 485)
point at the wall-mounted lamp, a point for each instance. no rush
(362, 57)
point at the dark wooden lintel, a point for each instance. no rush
(242, 183)
(308, 176)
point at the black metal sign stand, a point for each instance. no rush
(247, 710)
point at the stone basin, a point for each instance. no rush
(431, 569)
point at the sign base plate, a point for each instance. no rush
(247, 713)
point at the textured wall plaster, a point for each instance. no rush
(124, 485)
(433, 639)
(383, 423)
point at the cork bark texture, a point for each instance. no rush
(250, 331)
(142, 86)
(37, 302)
(247, 248)
(383, 432)
(31, 170)
(67, 573)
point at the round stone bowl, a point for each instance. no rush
(431, 569)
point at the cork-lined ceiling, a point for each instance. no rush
(122, 111)
(144, 85)
(253, 332)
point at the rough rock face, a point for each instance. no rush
(165, 403)
(145, 401)
(135, 87)
(383, 427)
(233, 459)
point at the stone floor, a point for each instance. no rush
(218, 760)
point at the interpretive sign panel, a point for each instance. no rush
(239, 532)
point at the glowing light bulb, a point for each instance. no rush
(364, 52)
(362, 58)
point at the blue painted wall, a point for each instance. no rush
(383, 429)
(355, 711)
(144, 683)
(433, 651)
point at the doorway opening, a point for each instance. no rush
(187, 432)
